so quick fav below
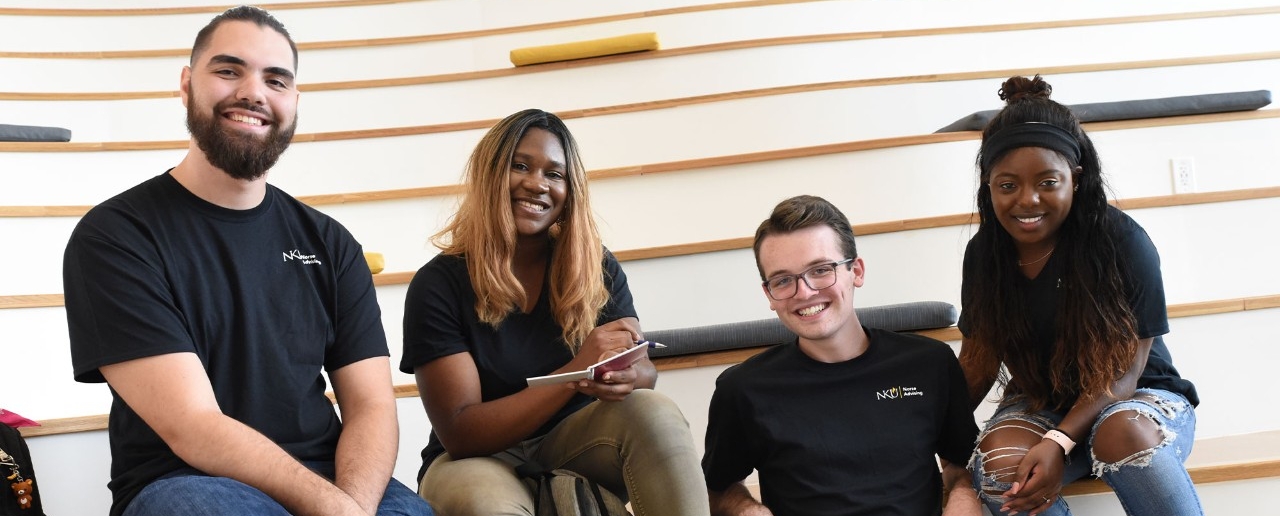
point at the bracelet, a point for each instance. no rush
(1058, 436)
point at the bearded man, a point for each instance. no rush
(213, 304)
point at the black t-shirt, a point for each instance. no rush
(850, 438)
(1144, 286)
(440, 319)
(267, 298)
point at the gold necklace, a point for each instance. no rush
(1037, 260)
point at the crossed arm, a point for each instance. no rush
(172, 394)
(960, 498)
(370, 437)
(735, 500)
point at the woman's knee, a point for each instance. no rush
(1126, 436)
(647, 411)
(478, 486)
(1132, 431)
(649, 401)
(1000, 450)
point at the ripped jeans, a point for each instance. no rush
(1150, 482)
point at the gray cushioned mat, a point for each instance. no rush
(32, 133)
(1147, 108)
(920, 315)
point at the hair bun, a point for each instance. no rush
(1019, 88)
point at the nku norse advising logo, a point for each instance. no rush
(307, 259)
(897, 393)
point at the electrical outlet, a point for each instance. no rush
(1184, 174)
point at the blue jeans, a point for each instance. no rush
(192, 493)
(1149, 482)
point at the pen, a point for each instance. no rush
(651, 344)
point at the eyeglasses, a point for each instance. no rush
(817, 277)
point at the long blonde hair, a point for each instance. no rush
(483, 229)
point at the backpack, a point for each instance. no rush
(18, 493)
(561, 492)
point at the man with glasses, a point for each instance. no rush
(846, 419)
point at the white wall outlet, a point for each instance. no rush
(1184, 174)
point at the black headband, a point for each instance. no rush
(1030, 134)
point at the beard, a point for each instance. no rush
(241, 155)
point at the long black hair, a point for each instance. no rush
(1095, 330)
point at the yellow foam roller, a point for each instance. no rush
(376, 262)
(584, 49)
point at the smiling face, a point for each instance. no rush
(539, 182)
(1031, 193)
(821, 317)
(241, 98)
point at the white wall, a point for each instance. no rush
(1211, 251)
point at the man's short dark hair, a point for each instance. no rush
(801, 212)
(248, 13)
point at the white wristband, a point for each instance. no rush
(1065, 442)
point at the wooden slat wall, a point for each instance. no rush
(656, 54)
(678, 166)
(99, 422)
(428, 38)
(152, 11)
(425, 38)
(403, 277)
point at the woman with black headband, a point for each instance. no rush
(1065, 292)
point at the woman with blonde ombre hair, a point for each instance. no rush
(523, 287)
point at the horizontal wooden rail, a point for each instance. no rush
(874, 228)
(639, 56)
(99, 422)
(72, 425)
(1199, 475)
(151, 11)
(953, 334)
(1215, 459)
(44, 211)
(31, 301)
(730, 160)
(1246, 469)
(1175, 311)
(66, 425)
(392, 278)
(569, 114)
(516, 29)
(662, 104)
(958, 219)
(476, 33)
